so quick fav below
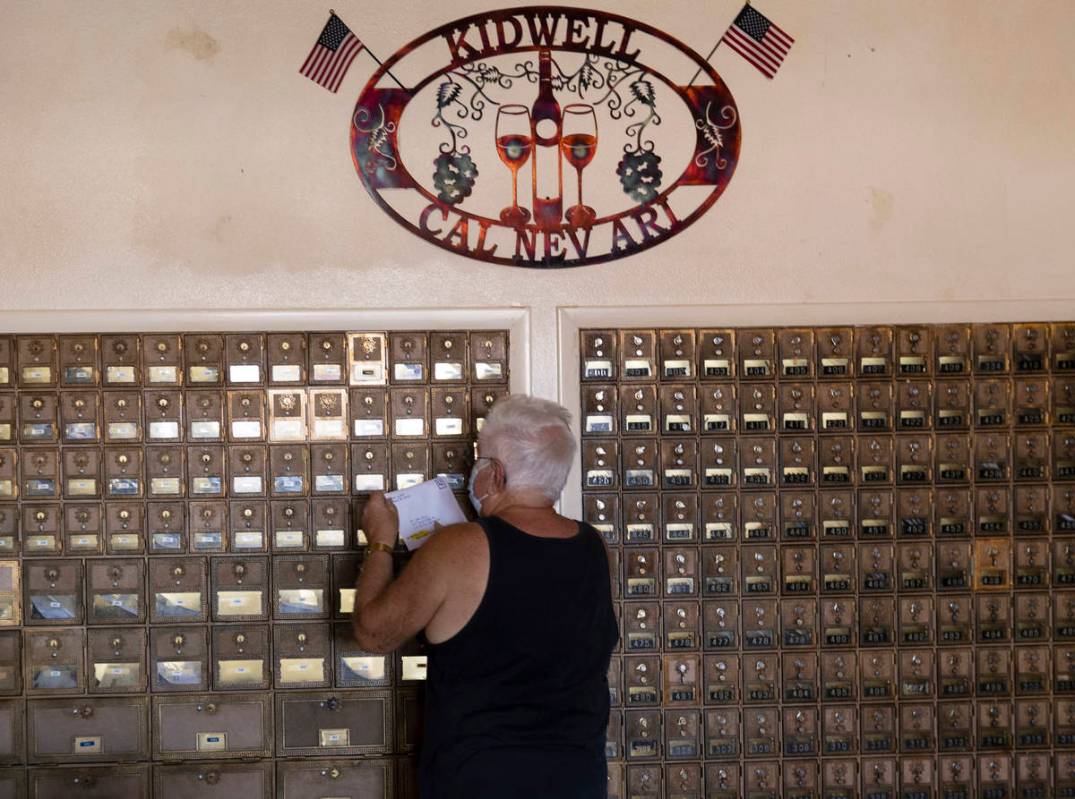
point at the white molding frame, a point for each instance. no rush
(571, 319)
(516, 320)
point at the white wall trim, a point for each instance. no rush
(516, 320)
(571, 319)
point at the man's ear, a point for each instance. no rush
(498, 478)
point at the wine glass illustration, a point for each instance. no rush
(513, 144)
(579, 145)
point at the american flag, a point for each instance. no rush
(758, 40)
(336, 48)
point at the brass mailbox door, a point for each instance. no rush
(10, 662)
(212, 726)
(244, 355)
(241, 657)
(287, 358)
(215, 779)
(53, 592)
(116, 592)
(179, 589)
(167, 527)
(354, 667)
(366, 358)
(301, 589)
(117, 660)
(328, 358)
(240, 587)
(302, 655)
(93, 782)
(12, 745)
(365, 778)
(408, 357)
(338, 724)
(249, 526)
(179, 658)
(80, 729)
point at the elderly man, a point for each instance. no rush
(517, 611)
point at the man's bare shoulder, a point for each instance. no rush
(454, 544)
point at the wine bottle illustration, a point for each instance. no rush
(547, 159)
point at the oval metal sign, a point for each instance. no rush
(545, 136)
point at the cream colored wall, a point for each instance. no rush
(168, 155)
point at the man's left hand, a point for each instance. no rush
(380, 521)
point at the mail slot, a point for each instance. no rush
(53, 592)
(212, 726)
(303, 655)
(328, 358)
(166, 527)
(333, 723)
(83, 529)
(179, 588)
(208, 526)
(41, 474)
(117, 660)
(638, 355)
(286, 354)
(80, 417)
(165, 472)
(116, 592)
(39, 421)
(248, 526)
(37, 358)
(99, 782)
(301, 587)
(87, 729)
(241, 658)
(244, 356)
(719, 408)
(164, 417)
(214, 779)
(354, 667)
(41, 530)
(240, 588)
(162, 360)
(55, 662)
(408, 356)
(179, 659)
(204, 359)
(290, 525)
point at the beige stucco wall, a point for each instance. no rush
(168, 155)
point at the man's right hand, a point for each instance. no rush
(380, 521)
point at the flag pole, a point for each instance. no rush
(699, 72)
(376, 60)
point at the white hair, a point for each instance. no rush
(532, 438)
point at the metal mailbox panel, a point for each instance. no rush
(212, 726)
(333, 724)
(91, 782)
(89, 730)
(253, 779)
(357, 778)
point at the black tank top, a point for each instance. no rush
(517, 701)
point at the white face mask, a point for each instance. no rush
(475, 500)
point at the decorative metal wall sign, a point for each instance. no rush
(561, 136)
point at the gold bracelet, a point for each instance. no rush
(378, 546)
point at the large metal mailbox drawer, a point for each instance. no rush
(90, 729)
(247, 780)
(98, 782)
(353, 779)
(334, 723)
(212, 726)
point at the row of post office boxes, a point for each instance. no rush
(174, 590)
(948, 619)
(685, 678)
(1030, 775)
(839, 729)
(200, 727)
(285, 470)
(193, 658)
(831, 514)
(240, 526)
(761, 461)
(372, 777)
(987, 565)
(80, 418)
(207, 359)
(796, 408)
(826, 352)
